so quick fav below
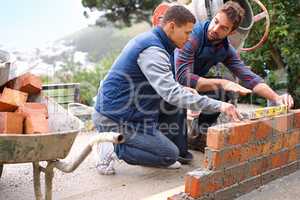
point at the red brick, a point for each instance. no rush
(263, 129)
(212, 159)
(277, 143)
(195, 187)
(236, 174)
(240, 133)
(37, 123)
(6, 107)
(266, 148)
(291, 139)
(28, 83)
(192, 186)
(296, 118)
(279, 159)
(218, 159)
(202, 182)
(11, 123)
(216, 137)
(259, 166)
(36, 117)
(33, 108)
(231, 156)
(251, 151)
(283, 123)
(11, 99)
(292, 155)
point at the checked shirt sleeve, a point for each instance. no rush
(238, 68)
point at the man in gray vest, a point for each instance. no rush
(129, 98)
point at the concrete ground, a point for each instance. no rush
(130, 182)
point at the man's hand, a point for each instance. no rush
(234, 87)
(192, 114)
(285, 99)
(230, 111)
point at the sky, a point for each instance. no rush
(32, 23)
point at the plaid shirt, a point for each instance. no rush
(198, 55)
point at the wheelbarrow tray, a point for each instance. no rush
(22, 148)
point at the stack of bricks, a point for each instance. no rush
(17, 116)
(241, 157)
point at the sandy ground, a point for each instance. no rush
(130, 182)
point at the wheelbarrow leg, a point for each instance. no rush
(1, 169)
(37, 180)
(49, 174)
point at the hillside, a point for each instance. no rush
(99, 41)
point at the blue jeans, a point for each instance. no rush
(147, 148)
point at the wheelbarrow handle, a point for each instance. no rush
(113, 137)
(70, 166)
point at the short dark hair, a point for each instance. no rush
(178, 14)
(234, 12)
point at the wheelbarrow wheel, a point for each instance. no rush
(1, 169)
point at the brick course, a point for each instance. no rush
(241, 157)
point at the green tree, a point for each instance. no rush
(282, 50)
(123, 12)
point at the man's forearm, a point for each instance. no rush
(265, 91)
(155, 65)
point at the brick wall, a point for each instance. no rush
(241, 157)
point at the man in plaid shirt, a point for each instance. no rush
(207, 46)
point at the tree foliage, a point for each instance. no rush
(123, 12)
(281, 53)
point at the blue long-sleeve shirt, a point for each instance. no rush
(198, 55)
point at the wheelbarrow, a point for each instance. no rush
(50, 147)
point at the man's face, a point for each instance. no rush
(180, 34)
(219, 28)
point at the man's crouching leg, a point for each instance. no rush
(105, 153)
(153, 150)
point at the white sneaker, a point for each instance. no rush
(175, 165)
(106, 158)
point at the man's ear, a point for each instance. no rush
(172, 26)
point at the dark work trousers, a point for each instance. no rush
(173, 123)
